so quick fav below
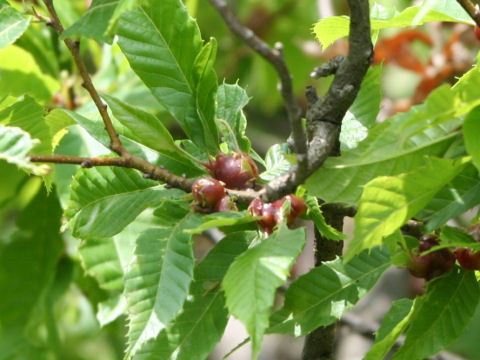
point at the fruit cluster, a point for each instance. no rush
(272, 213)
(432, 264)
(466, 257)
(236, 171)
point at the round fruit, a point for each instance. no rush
(468, 259)
(477, 32)
(237, 171)
(226, 204)
(208, 192)
(433, 264)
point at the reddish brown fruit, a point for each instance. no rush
(433, 264)
(208, 192)
(237, 171)
(477, 32)
(468, 258)
(226, 204)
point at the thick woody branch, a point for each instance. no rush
(128, 161)
(275, 58)
(471, 9)
(73, 46)
(325, 114)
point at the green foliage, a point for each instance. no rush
(123, 263)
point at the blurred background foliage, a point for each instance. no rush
(64, 322)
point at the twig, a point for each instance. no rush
(128, 161)
(73, 46)
(471, 9)
(275, 58)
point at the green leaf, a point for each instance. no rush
(231, 100)
(471, 128)
(388, 202)
(27, 114)
(441, 314)
(103, 200)
(333, 28)
(159, 277)
(28, 260)
(164, 47)
(57, 121)
(93, 23)
(393, 324)
(200, 325)
(223, 219)
(324, 294)
(24, 77)
(12, 25)
(147, 129)
(458, 196)
(397, 145)
(251, 281)
(315, 214)
(453, 237)
(123, 6)
(276, 162)
(15, 144)
(363, 113)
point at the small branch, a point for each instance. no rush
(471, 9)
(329, 68)
(127, 161)
(275, 58)
(73, 46)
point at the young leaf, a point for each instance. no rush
(426, 129)
(324, 294)
(315, 213)
(15, 144)
(12, 25)
(441, 314)
(252, 279)
(387, 202)
(93, 23)
(162, 44)
(103, 200)
(231, 99)
(200, 325)
(158, 279)
(393, 324)
(223, 219)
(28, 260)
(147, 130)
(275, 161)
(471, 128)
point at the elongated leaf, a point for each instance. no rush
(231, 100)
(123, 6)
(393, 324)
(24, 77)
(314, 213)
(460, 195)
(15, 144)
(441, 315)
(12, 25)
(389, 201)
(147, 129)
(363, 113)
(27, 262)
(471, 128)
(426, 129)
(251, 281)
(322, 296)
(103, 200)
(223, 219)
(333, 28)
(200, 325)
(159, 277)
(275, 161)
(93, 23)
(164, 46)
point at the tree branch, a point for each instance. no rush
(73, 46)
(325, 114)
(471, 9)
(275, 58)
